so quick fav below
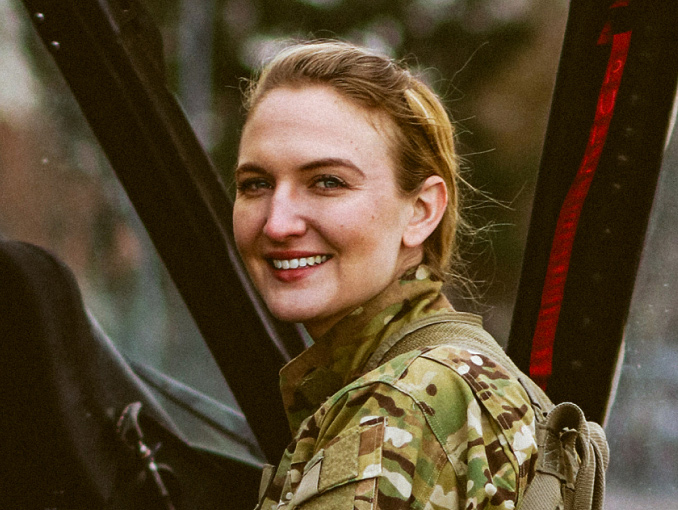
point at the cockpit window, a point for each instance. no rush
(58, 191)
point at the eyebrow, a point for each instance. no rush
(249, 167)
(329, 162)
(311, 165)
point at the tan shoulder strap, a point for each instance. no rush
(462, 330)
(403, 340)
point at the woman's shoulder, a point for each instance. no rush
(459, 389)
(444, 401)
(498, 391)
(446, 386)
(437, 377)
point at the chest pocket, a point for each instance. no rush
(343, 474)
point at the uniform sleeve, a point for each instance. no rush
(378, 448)
(376, 452)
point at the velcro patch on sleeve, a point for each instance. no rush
(354, 455)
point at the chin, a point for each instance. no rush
(287, 314)
(316, 321)
(296, 305)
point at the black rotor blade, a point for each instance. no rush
(602, 155)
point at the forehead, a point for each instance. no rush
(315, 115)
(312, 93)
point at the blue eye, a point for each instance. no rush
(253, 185)
(329, 182)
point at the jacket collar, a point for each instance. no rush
(339, 356)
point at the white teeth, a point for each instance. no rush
(301, 262)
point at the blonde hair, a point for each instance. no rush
(423, 136)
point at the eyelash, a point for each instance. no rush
(339, 183)
(256, 184)
(249, 185)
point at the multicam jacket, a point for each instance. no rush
(409, 434)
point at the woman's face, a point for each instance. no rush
(318, 217)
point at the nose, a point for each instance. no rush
(285, 215)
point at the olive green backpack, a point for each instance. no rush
(573, 452)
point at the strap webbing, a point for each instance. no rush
(463, 330)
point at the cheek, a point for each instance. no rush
(388, 224)
(370, 234)
(243, 226)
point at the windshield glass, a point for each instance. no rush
(643, 424)
(58, 191)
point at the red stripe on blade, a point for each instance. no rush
(541, 358)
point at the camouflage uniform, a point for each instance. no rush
(409, 434)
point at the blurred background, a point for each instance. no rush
(494, 63)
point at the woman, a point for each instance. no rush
(345, 217)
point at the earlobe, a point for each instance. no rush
(428, 210)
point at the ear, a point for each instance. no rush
(428, 209)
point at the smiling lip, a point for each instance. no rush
(288, 264)
(298, 262)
